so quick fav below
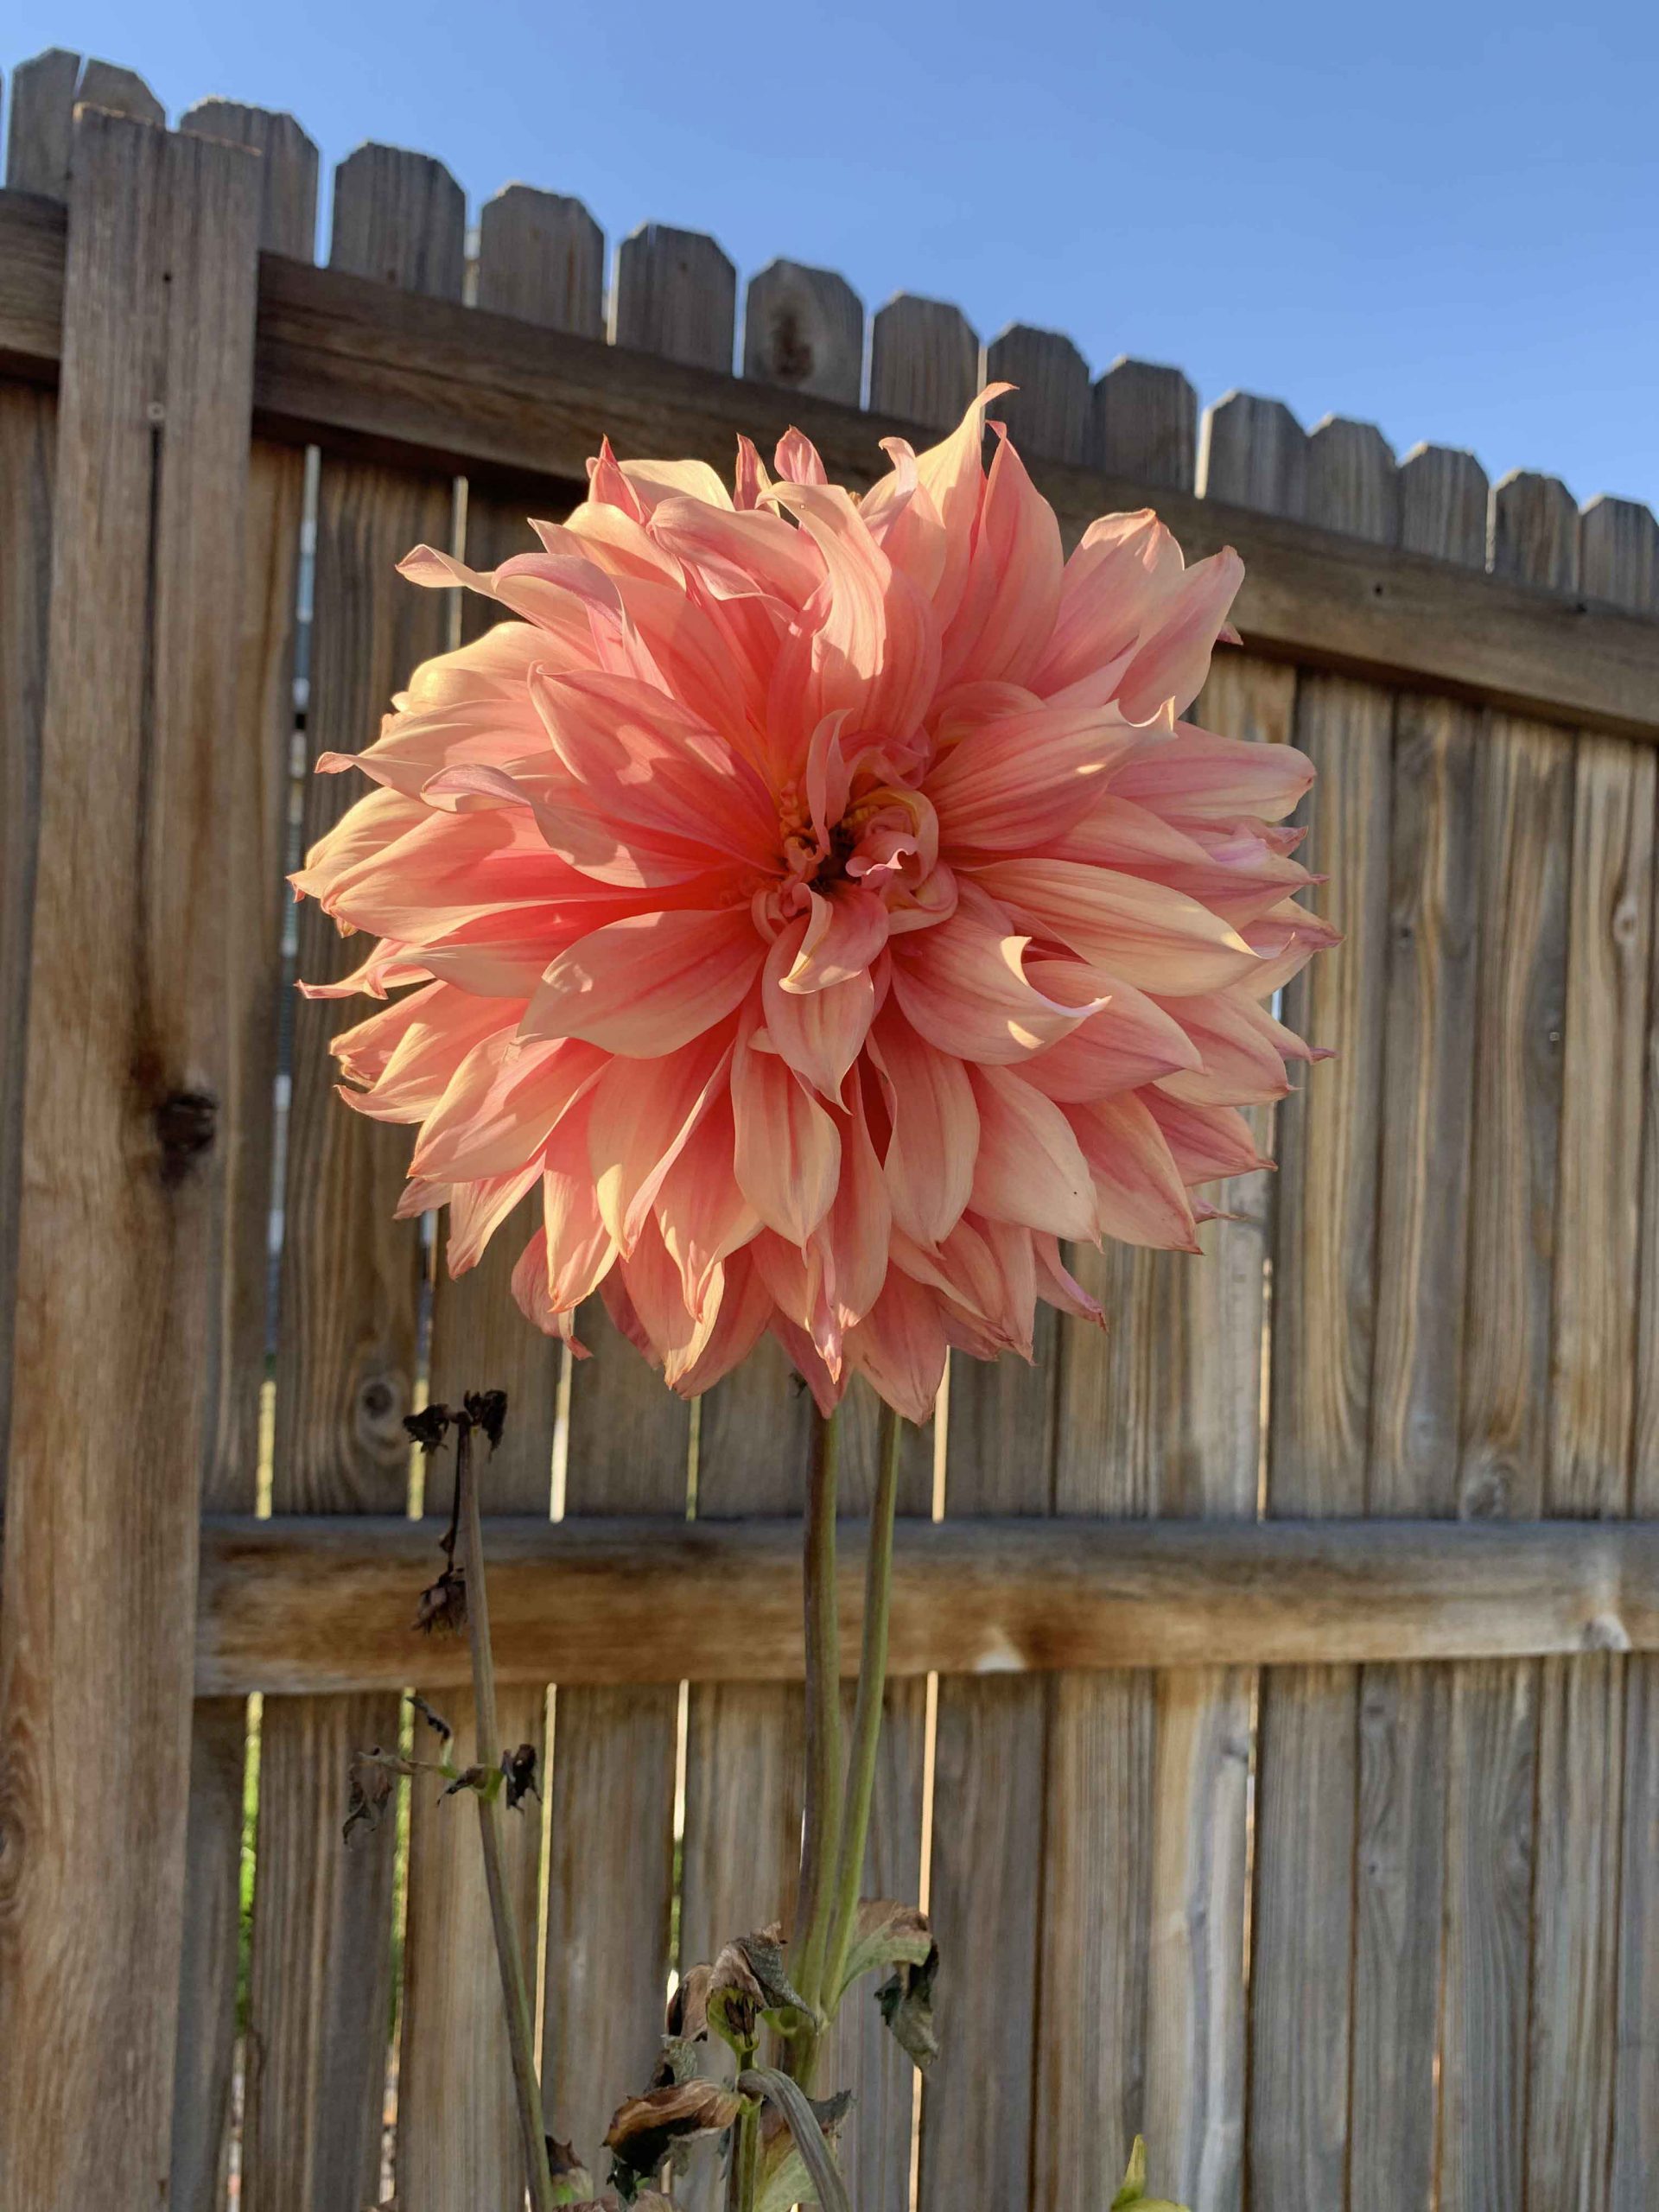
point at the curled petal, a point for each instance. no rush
(934, 1131)
(819, 1033)
(1153, 937)
(788, 1149)
(649, 984)
(965, 989)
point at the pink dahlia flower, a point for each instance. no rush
(818, 905)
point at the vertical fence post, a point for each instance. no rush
(119, 1232)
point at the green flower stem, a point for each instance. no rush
(743, 2176)
(867, 1713)
(821, 1835)
(521, 2020)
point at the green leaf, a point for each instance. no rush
(885, 1935)
(906, 2005)
(791, 2100)
(1133, 2192)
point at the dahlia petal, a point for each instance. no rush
(1012, 594)
(1243, 1065)
(953, 474)
(1024, 778)
(930, 1157)
(1140, 1191)
(796, 460)
(1284, 939)
(652, 481)
(648, 985)
(478, 1209)
(1124, 566)
(788, 1149)
(820, 1032)
(1058, 1287)
(741, 555)
(904, 521)
(406, 1057)
(501, 1105)
(644, 1114)
(855, 1233)
(965, 989)
(1206, 1142)
(828, 1389)
(678, 1337)
(1151, 937)
(387, 966)
(1129, 1041)
(1171, 665)
(1195, 776)
(1029, 1168)
(700, 1210)
(844, 936)
(746, 1309)
(900, 1348)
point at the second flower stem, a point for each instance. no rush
(821, 1832)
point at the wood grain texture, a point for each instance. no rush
(1144, 424)
(458, 2137)
(1048, 410)
(541, 257)
(28, 444)
(1523, 811)
(1581, 1716)
(1422, 1181)
(675, 297)
(611, 1869)
(366, 370)
(349, 1296)
(985, 1883)
(1322, 1257)
(255, 830)
(1142, 1945)
(923, 361)
(44, 94)
(1619, 539)
(119, 1144)
(803, 328)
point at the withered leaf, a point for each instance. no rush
(443, 1603)
(885, 1934)
(470, 1777)
(645, 2129)
(572, 2182)
(519, 1768)
(434, 1721)
(428, 1427)
(906, 2005)
(748, 1984)
(678, 2060)
(688, 2008)
(487, 1409)
(369, 1780)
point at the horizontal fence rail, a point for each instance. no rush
(301, 1606)
(368, 369)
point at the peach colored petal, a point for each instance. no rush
(929, 1161)
(1023, 779)
(788, 1149)
(964, 988)
(1030, 1169)
(1155, 937)
(820, 1032)
(1139, 1189)
(648, 985)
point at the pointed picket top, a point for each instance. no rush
(1534, 530)
(1144, 424)
(1444, 497)
(803, 328)
(45, 93)
(923, 361)
(676, 295)
(1048, 413)
(1253, 452)
(541, 257)
(1618, 553)
(1353, 480)
(400, 218)
(288, 213)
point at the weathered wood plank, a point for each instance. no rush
(349, 1295)
(1523, 812)
(1422, 1181)
(1144, 1847)
(1617, 530)
(120, 1153)
(803, 328)
(301, 1605)
(541, 257)
(985, 1880)
(363, 369)
(1592, 1392)
(255, 828)
(676, 297)
(1048, 410)
(924, 362)
(44, 94)
(1144, 425)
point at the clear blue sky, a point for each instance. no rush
(1444, 218)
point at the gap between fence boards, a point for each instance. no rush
(385, 374)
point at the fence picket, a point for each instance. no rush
(139, 827)
(1143, 422)
(675, 294)
(1047, 413)
(44, 95)
(1423, 1173)
(1143, 1918)
(256, 831)
(1319, 1424)
(1592, 1383)
(1524, 816)
(923, 361)
(349, 1300)
(803, 328)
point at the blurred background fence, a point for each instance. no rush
(1276, 1738)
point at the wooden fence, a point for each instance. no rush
(1275, 1739)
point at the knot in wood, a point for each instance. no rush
(187, 1123)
